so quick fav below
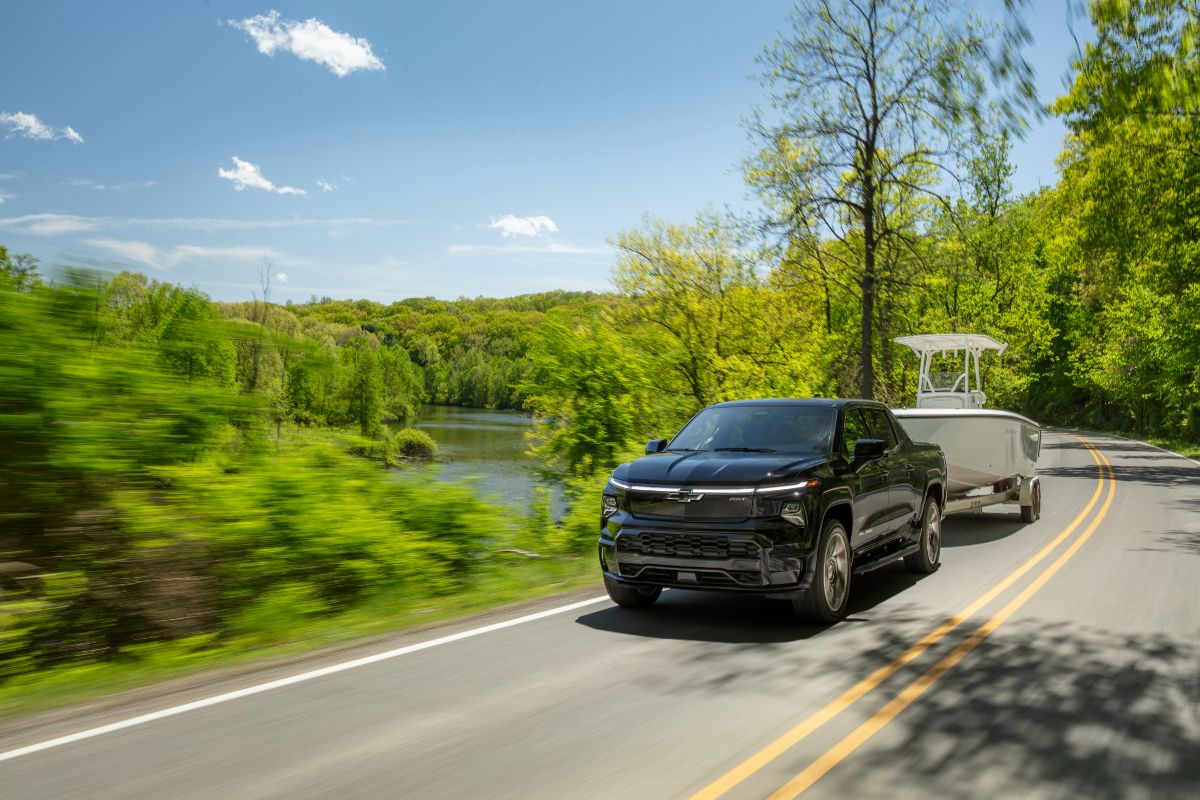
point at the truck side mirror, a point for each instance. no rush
(868, 450)
(655, 446)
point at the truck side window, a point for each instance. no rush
(855, 428)
(881, 428)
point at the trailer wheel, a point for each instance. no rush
(929, 556)
(1033, 511)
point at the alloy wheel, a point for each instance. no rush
(933, 538)
(837, 571)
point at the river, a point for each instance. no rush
(488, 448)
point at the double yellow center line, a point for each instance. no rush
(840, 751)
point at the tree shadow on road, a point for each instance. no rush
(1052, 710)
(1181, 475)
(1181, 541)
(1104, 442)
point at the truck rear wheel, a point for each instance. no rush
(929, 556)
(631, 596)
(829, 596)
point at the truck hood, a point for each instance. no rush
(707, 468)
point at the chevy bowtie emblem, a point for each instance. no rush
(684, 496)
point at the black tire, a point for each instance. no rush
(828, 599)
(631, 596)
(929, 557)
(1033, 511)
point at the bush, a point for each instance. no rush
(412, 443)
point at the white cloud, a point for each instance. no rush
(48, 224)
(88, 183)
(142, 252)
(281, 277)
(325, 185)
(310, 40)
(53, 224)
(4, 197)
(30, 127)
(248, 176)
(510, 225)
(160, 258)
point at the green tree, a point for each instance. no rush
(869, 97)
(701, 311)
(1131, 195)
(19, 270)
(1144, 65)
(364, 387)
(589, 390)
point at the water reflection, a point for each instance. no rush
(487, 447)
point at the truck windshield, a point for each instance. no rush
(784, 429)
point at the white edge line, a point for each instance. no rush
(292, 679)
(1164, 450)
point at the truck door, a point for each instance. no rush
(903, 493)
(869, 482)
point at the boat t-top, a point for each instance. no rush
(950, 387)
(990, 454)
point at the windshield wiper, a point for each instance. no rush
(744, 449)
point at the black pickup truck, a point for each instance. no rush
(788, 498)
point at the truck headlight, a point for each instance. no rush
(793, 513)
(608, 505)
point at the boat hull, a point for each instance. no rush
(983, 447)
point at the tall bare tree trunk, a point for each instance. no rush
(869, 283)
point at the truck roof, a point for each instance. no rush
(823, 402)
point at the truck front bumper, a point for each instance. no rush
(728, 561)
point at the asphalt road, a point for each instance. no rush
(1075, 672)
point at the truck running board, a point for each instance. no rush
(889, 558)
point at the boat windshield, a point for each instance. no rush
(766, 429)
(946, 381)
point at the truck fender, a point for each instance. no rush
(839, 508)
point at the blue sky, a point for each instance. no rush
(465, 149)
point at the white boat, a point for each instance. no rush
(990, 454)
(983, 447)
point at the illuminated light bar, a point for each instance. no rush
(641, 487)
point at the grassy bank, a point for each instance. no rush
(1185, 449)
(138, 666)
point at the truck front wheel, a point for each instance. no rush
(828, 597)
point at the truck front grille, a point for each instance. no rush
(677, 545)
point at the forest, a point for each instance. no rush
(179, 474)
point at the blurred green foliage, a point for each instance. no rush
(162, 476)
